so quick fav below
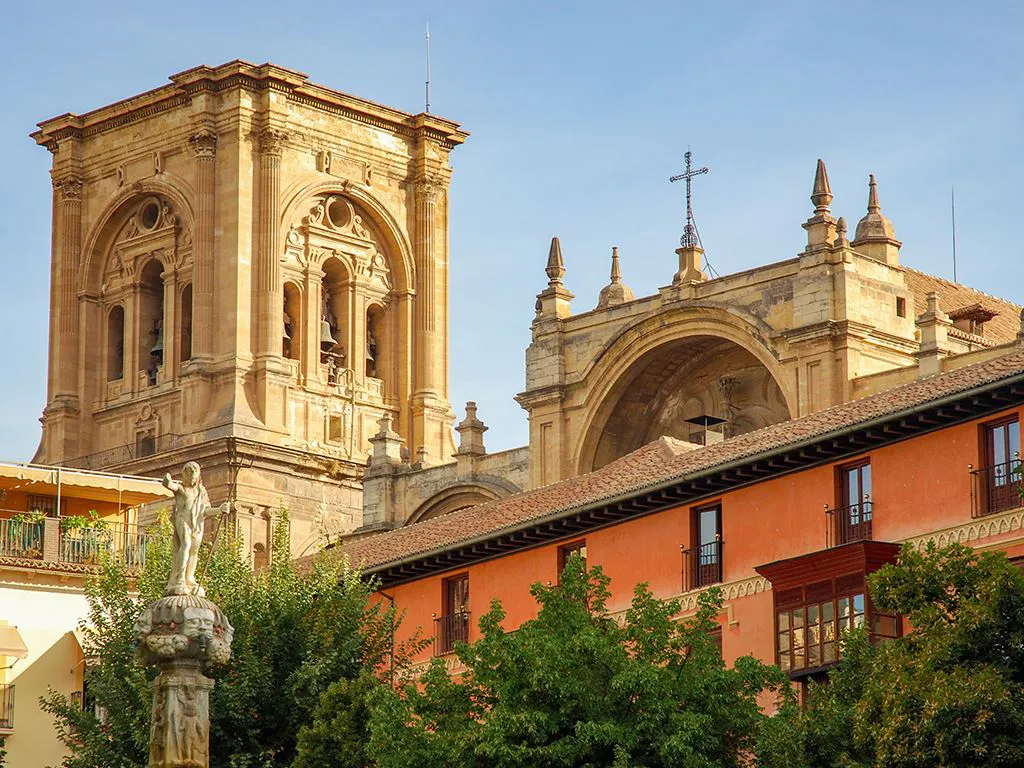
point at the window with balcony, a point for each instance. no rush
(850, 520)
(997, 486)
(6, 707)
(568, 550)
(452, 627)
(702, 562)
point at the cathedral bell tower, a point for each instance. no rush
(250, 270)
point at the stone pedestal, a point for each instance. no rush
(184, 636)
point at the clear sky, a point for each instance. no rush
(579, 113)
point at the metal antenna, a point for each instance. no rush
(952, 213)
(690, 238)
(428, 68)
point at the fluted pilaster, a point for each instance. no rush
(70, 194)
(266, 274)
(204, 148)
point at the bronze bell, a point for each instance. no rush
(158, 345)
(327, 339)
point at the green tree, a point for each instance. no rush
(339, 732)
(575, 687)
(295, 634)
(949, 693)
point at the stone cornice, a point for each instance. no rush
(244, 75)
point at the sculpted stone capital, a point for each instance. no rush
(203, 144)
(271, 141)
(70, 187)
(428, 187)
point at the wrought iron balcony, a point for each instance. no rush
(702, 565)
(449, 631)
(119, 540)
(6, 707)
(19, 538)
(996, 488)
(846, 524)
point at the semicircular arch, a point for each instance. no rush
(116, 212)
(612, 371)
(459, 497)
(396, 242)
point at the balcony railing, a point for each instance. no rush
(996, 488)
(702, 565)
(21, 539)
(846, 524)
(119, 540)
(6, 707)
(123, 454)
(449, 631)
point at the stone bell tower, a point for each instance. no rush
(250, 269)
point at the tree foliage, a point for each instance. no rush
(949, 693)
(295, 635)
(575, 687)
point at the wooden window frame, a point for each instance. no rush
(987, 501)
(565, 551)
(845, 532)
(698, 577)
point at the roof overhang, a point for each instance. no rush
(848, 441)
(94, 486)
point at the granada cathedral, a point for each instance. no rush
(250, 270)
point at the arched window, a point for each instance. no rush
(334, 315)
(151, 320)
(185, 334)
(115, 344)
(375, 342)
(291, 332)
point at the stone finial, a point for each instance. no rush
(556, 266)
(554, 301)
(615, 292)
(875, 236)
(471, 433)
(821, 227)
(821, 195)
(841, 240)
(934, 347)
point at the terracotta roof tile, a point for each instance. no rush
(660, 462)
(953, 296)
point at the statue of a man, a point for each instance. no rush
(191, 508)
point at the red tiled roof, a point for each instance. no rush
(660, 463)
(1000, 329)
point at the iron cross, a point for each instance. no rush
(689, 238)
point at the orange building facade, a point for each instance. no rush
(786, 520)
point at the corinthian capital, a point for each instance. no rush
(70, 187)
(203, 144)
(427, 187)
(271, 141)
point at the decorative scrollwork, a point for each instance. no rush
(203, 144)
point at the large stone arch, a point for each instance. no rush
(396, 242)
(647, 378)
(456, 497)
(116, 212)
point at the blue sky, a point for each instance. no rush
(579, 113)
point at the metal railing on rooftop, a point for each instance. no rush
(125, 542)
(122, 454)
(21, 538)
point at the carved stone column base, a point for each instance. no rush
(180, 735)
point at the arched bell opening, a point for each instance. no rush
(185, 324)
(700, 389)
(115, 343)
(291, 329)
(377, 347)
(335, 314)
(150, 337)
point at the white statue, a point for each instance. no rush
(191, 508)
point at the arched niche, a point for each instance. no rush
(292, 329)
(115, 343)
(151, 332)
(185, 324)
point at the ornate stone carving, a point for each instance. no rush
(323, 161)
(271, 141)
(203, 144)
(191, 508)
(70, 187)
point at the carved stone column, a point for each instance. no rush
(70, 188)
(430, 410)
(267, 277)
(204, 148)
